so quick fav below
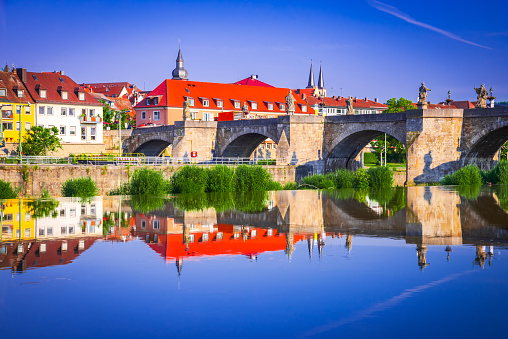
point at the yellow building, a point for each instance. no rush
(17, 107)
(12, 228)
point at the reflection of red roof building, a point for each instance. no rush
(225, 241)
(22, 256)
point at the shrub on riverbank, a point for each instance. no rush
(380, 177)
(320, 181)
(6, 191)
(253, 178)
(189, 179)
(499, 174)
(344, 178)
(469, 175)
(80, 187)
(147, 181)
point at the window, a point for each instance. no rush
(64, 111)
(43, 93)
(156, 115)
(148, 101)
(83, 133)
(237, 104)
(28, 125)
(17, 125)
(28, 232)
(254, 105)
(81, 96)
(207, 116)
(50, 231)
(304, 108)
(72, 130)
(92, 209)
(206, 103)
(27, 110)
(92, 112)
(71, 112)
(191, 101)
(282, 107)
(143, 115)
(92, 133)
(155, 101)
(83, 112)
(21, 93)
(191, 237)
(41, 232)
(205, 237)
(18, 110)
(42, 110)
(71, 229)
(83, 209)
(28, 217)
(220, 103)
(270, 106)
(62, 130)
(143, 224)
(50, 111)
(65, 95)
(7, 126)
(156, 225)
(72, 211)
(193, 115)
(63, 230)
(3, 92)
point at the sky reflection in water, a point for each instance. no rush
(420, 262)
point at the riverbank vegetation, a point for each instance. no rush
(79, 187)
(376, 177)
(7, 191)
(472, 175)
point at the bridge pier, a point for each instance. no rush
(194, 136)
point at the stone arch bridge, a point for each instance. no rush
(437, 141)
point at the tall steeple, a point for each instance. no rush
(311, 77)
(321, 82)
(179, 73)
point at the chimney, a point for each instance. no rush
(366, 99)
(21, 74)
(62, 73)
(376, 99)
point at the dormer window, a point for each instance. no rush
(237, 104)
(81, 96)
(269, 106)
(155, 101)
(20, 93)
(191, 101)
(148, 101)
(43, 93)
(65, 95)
(254, 105)
(282, 107)
(304, 108)
(220, 103)
(206, 103)
(3, 92)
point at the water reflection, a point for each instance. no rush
(37, 233)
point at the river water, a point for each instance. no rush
(415, 262)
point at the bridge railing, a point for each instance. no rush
(132, 160)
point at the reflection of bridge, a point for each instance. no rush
(438, 141)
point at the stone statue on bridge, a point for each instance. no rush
(186, 109)
(481, 101)
(422, 96)
(290, 103)
(245, 110)
(349, 105)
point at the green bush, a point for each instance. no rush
(80, 187)
(468, 175)
(370, 158)
(499, 174)
(380, 177)
(319, 181)
(6, 191)
(189, 179)
(220, 179)
(147, 181)
(344, 178)
(361, 178)
(290, 186)
(252, 178)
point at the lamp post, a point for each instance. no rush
(120, 133)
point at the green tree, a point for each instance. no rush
(395, 150)
(397, 106)
(39, 140)
(110, 116)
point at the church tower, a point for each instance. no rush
(311, 77)
(179, 73)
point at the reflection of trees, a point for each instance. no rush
(40, 208)
(147, 203)
(502, 196)
(469, 192)
(393, 198)
(250, 202)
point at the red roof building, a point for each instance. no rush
(252, 81)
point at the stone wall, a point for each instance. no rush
(111, 139)
(67, 148)
(34, 179)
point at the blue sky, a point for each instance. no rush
(367, 48)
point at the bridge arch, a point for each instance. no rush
(152, 148)
(484, 145)
(243, 144)
(347, 146)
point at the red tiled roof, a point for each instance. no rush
(172, 93)
(251, 81)
(51, 81)
(438, 106)
(462, 104)
(10, 81)
(108, 91)
(341, 102)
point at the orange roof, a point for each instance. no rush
(172, 93)
(341, 102)
(252, 81)
(438, 106)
